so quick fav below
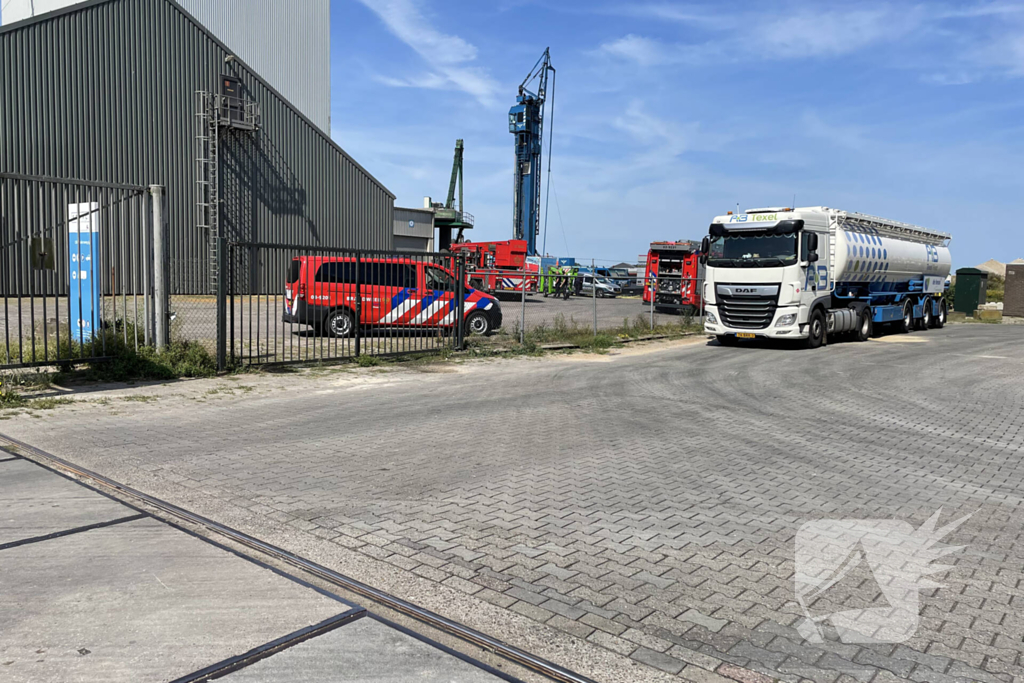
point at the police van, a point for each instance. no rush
(325, 292)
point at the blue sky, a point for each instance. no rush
(670, 113)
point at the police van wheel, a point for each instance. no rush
(478, 323)
(864, 325)
(339, 323)
(940, 319)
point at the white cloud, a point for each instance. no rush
(643, 51)
(806, 31)
(815, 33)
(448, 56)
(1003, 53)
(669, 138)
(948, 44)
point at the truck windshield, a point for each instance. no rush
(752, 251)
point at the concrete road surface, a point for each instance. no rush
(647, 506)
(93, 591)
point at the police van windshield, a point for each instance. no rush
(752, 250)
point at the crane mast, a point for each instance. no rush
(526, 122)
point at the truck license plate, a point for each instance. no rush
(745, 335)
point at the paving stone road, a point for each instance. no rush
(647, 503)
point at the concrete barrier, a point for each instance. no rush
(988, 316)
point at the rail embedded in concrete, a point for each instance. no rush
(470, 635)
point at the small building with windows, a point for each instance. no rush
(414, 229)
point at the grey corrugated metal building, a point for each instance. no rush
(106, 91)
(286, 42)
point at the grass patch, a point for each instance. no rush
(139, 398)
(368, 361)
(10, 398)
(244, 388)
(581, 334)
(117, 343)
(124, 363)
(47, 403)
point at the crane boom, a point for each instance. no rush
(526, 122)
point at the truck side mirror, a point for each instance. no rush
(812, 257)
(705, 247)
(812, 242)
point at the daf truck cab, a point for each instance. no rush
(806, 273)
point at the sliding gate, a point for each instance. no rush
(291, 303)
(76, 269)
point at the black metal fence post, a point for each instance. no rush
(222, 304)
(359, 303)
(231, 303)
(460, 295)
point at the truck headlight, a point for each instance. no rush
(710, 318)
(786, 320)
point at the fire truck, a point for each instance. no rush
(673, 276)
(498, 267)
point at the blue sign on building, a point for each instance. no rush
(84, 270)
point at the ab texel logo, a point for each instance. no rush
(864, 576)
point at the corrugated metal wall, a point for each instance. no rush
(287, 42)
(106, 91)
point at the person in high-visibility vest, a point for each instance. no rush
(547, 284)
(560, 281)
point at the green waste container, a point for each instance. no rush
(971, 284)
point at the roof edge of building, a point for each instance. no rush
(71, 9)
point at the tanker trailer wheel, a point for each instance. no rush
(863, 332)
(815, 330)
(928, 321)
(940, 319)
(908, 317)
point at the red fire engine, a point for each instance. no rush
(674, 276)
(498, 267)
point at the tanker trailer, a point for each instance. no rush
(808, 273)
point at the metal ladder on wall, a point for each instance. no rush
(207, 180)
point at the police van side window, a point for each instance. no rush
(387, 274)
(373, 273)
(398, 275)
(335, 272)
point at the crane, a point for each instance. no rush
(526, 122)
(446, 216)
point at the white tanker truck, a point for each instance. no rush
(806, 273)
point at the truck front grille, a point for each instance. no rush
(747, 312)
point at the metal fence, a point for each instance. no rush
(553, 308)
(337, 303)
(76, 269)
